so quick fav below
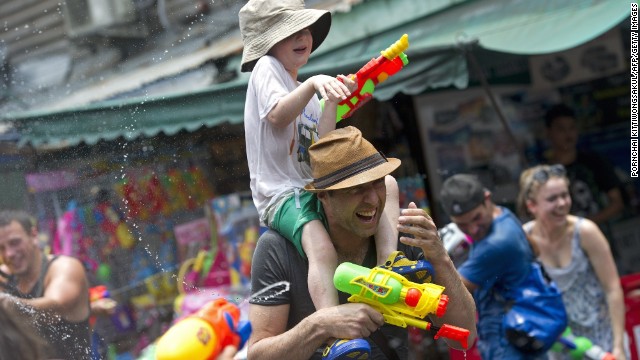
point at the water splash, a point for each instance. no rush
(260, 297)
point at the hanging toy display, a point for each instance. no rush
(129, 192)
(114, 225)
(197, 185)
(176, 189)
(69, 238)
(156, 199)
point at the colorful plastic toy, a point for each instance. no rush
(579, 347)
(401, 302)
(203, 335)
(376, 71)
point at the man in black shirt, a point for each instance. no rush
(52, 290)
(595, 188)
(349, 179)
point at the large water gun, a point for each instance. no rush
(400, 301)
(579, 347)
(203, 335)
(376, 71)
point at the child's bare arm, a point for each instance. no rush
(328, 117)
(292, 104)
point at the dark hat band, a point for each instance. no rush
(349, 171)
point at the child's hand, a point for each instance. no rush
(330, 88)
(350, 81)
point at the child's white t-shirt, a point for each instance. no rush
(278, 158)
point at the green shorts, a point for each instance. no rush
(294, 212)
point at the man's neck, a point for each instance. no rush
(350, 249)
(27, 280)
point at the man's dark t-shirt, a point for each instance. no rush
(591, 177)
(276, 261)
(65, 340)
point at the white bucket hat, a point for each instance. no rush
(264, 23)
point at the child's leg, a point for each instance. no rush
(323, 261)
(387, 234)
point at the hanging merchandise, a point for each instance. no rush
(204, 271)
(122, 221)
(159, 234)
(210, 267)
(176, 190)
(110, 221)
(239, 230)
(69, 238)
(197, 185)
(129, 192)
(68, 232)
(155, 197)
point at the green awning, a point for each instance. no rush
(506, 26)
(134, 118)
(435, 35)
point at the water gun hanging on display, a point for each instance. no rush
(376, 71)
(401, 302)
(113, 224)
(197, 185)
(131, 196)
(155, 197)
(579, 347)
(203, 335)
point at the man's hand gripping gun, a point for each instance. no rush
(376, 71)
(400, 301)
(203, 335)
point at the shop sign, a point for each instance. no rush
(196, 231)
(601, 57)
(50, 181)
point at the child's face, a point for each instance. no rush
(293, 52)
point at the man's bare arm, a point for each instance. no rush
(461, 310)
(66, 291)
(269, 340)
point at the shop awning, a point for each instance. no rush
(508, 26)
(135, 118)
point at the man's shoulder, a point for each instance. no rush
(273, 246)
(507, 221)
(63, 264)
(506, 230)
(271, 237)
(62, 259)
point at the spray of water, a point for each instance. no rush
(264, 294)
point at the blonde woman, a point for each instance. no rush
(576, 255)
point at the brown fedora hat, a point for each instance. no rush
(264, 23)
(343, 159)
